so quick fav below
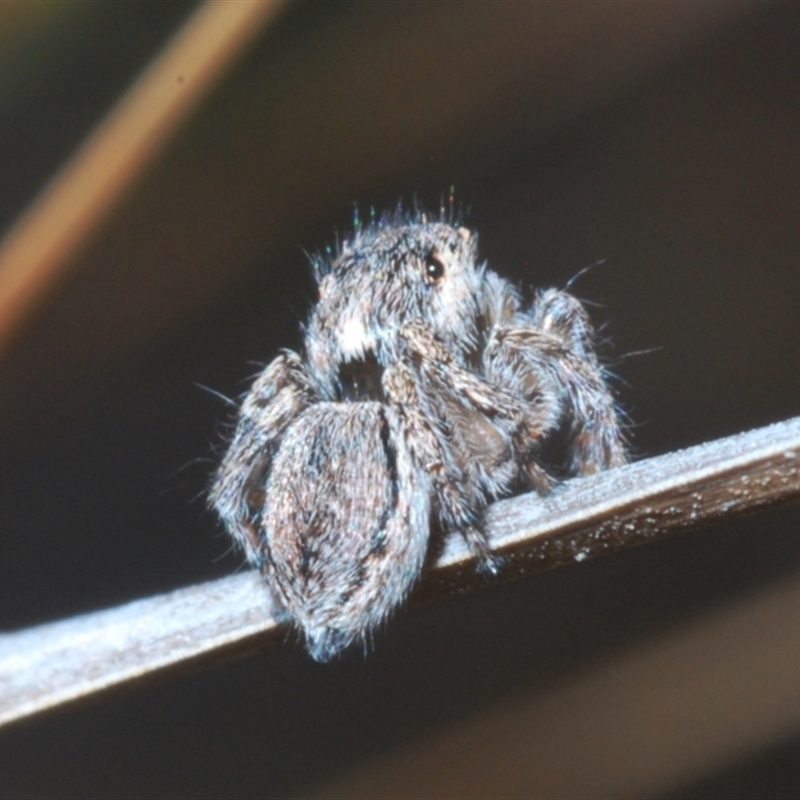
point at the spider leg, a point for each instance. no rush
(459, 498)
(277, 397)
(475, 404)
(547, 355)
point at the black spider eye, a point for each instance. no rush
(434, 268)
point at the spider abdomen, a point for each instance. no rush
(346, 522)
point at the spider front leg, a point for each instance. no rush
(547, 355)
(498, 430)
(280, 393)
(460, 500)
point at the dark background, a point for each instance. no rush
(663, 138)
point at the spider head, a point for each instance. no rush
(385, 276)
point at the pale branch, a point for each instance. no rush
(586, 517)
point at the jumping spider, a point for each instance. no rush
(425, 387)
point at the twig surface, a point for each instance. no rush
(584, 518)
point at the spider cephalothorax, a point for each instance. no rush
(386, 276)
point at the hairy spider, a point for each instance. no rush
(424, 388)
